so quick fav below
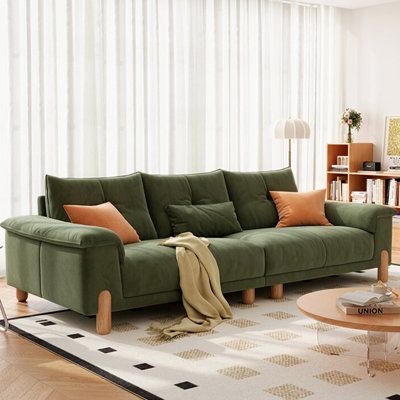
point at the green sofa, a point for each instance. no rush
(88, 269)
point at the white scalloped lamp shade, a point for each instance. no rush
(292, 129)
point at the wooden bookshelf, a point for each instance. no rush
(357, 153)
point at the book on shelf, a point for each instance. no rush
(339, 189)
(383, 191)
(339, 168)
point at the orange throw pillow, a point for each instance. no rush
(105, 216)
(297, 209)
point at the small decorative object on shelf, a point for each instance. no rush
(353, 120)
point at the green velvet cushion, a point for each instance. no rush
(279, 180)
(208, 187)
(248, 192)
(41, 206)
(62, 233)
(150, 268)
(362, 216)
(126, 193)
(306, 247)
(162, 190)
(209, 220)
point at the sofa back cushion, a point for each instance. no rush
(208, 188)
(161, 191)
(281, 180)
(249, 192)
(164, 190)
(126, 193)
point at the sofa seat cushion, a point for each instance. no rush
(301, 248)
(344, 245)
(150, 268)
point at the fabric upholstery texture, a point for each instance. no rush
(248, 192)
(105, 216)
(151, 268)
(208, 220)
(70, 264)
(362, 216)
(302, 248)
(208, 187)
(61, 233)
(126, 193)
(279, 180)
(299, 209)
(163, 190)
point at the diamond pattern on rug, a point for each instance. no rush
(206, 333)
(320, 326)
(329, 349)
(382, 365)
(282, 335)
(242, 306)
(238, 372)
(289, 392)
(124, 327)
(281, 300)
(241, 322)
(280, 315)
(240, 344)
(337, 378)
(158, 340)
(363, 339)
(285, 360)
(194, 354)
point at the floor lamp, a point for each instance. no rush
(291, 129)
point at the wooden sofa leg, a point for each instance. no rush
(383, 269)
(103, 318)
(21, 295)
(277, 291)
(248, 296)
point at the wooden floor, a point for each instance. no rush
(29, 372)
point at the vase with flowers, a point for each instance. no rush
(353, 120)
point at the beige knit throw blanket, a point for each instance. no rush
(202, 297)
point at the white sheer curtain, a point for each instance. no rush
(102, 87)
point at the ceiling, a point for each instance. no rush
(351, 4)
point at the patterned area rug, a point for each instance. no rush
(268, 351)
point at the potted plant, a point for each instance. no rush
(353, 120)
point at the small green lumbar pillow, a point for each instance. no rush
(210, 220)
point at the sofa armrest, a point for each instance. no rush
(362, 216)
(63, 233)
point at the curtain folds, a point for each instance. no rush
(102, 87)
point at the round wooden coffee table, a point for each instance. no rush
(321, 306)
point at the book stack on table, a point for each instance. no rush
(367, 303)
